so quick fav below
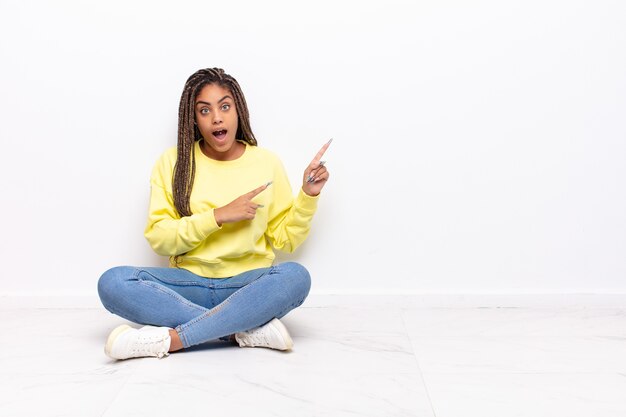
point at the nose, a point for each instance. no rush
(217, 118)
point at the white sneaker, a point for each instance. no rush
(272, 335)
(125, 342)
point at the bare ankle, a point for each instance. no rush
(175, 343)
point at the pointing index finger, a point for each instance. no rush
(257, 191)
(319, 155)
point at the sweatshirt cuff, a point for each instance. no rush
(306, 203)
(207, 223)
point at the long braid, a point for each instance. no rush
(188, 132)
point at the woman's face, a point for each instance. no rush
(216, 117)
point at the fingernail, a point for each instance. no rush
(331, 139)
(322, 163)
(269, 183)
(260, 206)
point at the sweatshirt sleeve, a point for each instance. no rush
(291, 218)
(168, 233)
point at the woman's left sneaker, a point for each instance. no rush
(273, 335)
(124, 342)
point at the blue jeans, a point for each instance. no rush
(199, 308)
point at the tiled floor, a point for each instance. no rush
(355, 359)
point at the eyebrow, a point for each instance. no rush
(220, 100)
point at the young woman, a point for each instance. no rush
(218, 204)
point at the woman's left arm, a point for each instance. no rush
(290, 219)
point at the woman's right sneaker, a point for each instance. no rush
(124, 342)
(273, 335)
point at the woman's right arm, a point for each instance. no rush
(170, 235)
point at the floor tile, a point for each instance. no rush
(484, 341)
(527, 395)
(344, 363)
(381, 358)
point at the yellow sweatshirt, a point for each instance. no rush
(209, 250)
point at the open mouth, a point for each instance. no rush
(220, 134)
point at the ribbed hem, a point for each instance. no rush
(224, 268)
(306, 203)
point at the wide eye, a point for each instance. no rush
(225, 107)
(204, 110)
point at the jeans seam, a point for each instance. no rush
(212, 311)
(177, 297)
(181, 283)
(181, 329)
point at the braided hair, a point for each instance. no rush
(188, 132)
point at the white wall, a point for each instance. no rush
(479, 146)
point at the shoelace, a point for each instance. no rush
(147, 345)
(256, 339)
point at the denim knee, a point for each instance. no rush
(110, 284)
(298, 280)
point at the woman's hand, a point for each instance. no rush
(241, 208)
(316, 174)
